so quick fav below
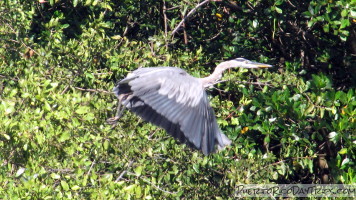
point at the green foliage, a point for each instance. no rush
(60, 59)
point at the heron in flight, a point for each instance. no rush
(170, 98)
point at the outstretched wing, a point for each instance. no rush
(172, 99)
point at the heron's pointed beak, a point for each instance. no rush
(258, 65)
(244, 63)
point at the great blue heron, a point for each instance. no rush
(171, 98)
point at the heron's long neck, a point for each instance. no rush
(216, 75)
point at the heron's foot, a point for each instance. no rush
(113, 121)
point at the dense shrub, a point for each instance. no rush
(59, 60)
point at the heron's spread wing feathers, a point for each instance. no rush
(171, 98)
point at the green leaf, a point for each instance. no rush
(55, 176)
(343, 151)
(310, 23)
(47, 107)
(353, 13)
(107, 6)
(279, 10)
(275, 175)
(85, 180)
(9, 107)
(350, 94)
(95, 2)
(87, 2)
(311, 10)
(307, 14)
(82, 110)
(138, 170)
(175, 169)
(64, 136)
(282, 169)
(196, 168)
(267, 139)
(64, 185)
(234, 121)
(89, 116)
(344, 13)
(75, 3)
(130, 188)
(279, 2)
(25, 95)
(326, 28)
(106, 144)
(64, 26)
(322, 112)
(6, 136)
(344, 23)
(116, 37)
(75, 187)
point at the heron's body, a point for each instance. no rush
(171, 98)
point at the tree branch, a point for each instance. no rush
(124, 172)
(92, 90)
(188, 15)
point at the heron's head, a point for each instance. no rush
(235, 63)
(244, 63)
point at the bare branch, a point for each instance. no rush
(91, 167)
(65, 90)
(124, 172)
(214, 37)
(188, 15)
(233, 5)
(279, 162)
(8, 77)
(254, 83)
(93, 90)
(149, 182)
(164, 9)
(243, 82)
(175, 7)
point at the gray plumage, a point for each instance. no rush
(171, 98)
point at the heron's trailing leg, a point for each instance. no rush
(120, 109)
